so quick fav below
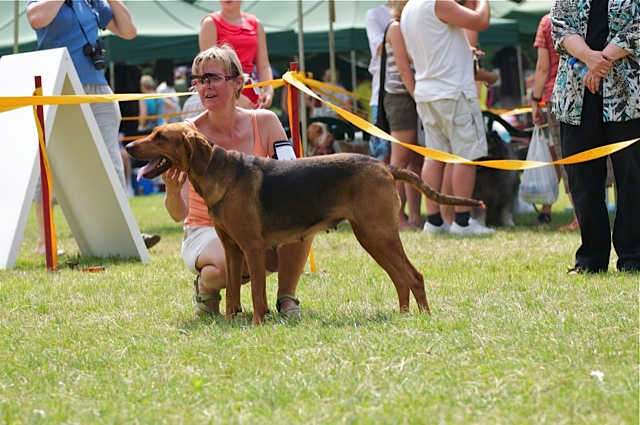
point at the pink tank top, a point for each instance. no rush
(244, 40)
(198, 214)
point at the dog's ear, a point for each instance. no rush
(201, 152)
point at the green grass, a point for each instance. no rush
(511, 340)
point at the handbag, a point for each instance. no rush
(539, 185)
(381, 120)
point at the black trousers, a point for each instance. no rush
(587, 185)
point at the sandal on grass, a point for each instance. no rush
(293, 310)
(199, 300)
(543, 218)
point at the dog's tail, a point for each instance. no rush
(413, 179)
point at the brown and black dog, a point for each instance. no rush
(257, 203)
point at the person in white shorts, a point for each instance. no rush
(446, 97)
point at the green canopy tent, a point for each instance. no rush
(527, 13)
(168, 29)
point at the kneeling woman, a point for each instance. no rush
(218, 79)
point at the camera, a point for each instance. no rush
(96, 52)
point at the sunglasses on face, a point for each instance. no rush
(210, 79)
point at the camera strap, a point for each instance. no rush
(70, 4)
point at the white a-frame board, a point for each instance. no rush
(84, 180)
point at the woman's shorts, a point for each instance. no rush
(401, 111)
(193, 242)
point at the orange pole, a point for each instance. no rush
(51, 254)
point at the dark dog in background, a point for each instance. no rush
(498, 189)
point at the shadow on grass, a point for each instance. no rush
(310, 318)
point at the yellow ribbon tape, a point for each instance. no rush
(502, 164)
(298, 80)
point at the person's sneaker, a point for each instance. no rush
(433, 229)
(474, 228)
(150, 240)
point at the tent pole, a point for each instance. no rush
(332, 46)
(112, 75)
(354, 81)
(301, 101)
(521, 75)
(16, 32)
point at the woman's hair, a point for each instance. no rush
(223, 54)
(147, 82)
(396, 8)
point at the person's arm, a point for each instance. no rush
(142, 114)
(121, 24)
(578, 48)
(375, 32)
(472, 37)
(394, 37)
(263, 67)
(208, 36)
(486, 76)
(271, 130)
(613, 52)
(43, 12)
(451, 12)
(543, 66)
(176, 198)
(598, 65)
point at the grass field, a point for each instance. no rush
(511, 340)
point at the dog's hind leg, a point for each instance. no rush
(384, 245)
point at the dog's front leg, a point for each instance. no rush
(256, 261)
(234, 260)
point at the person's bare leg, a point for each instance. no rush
(211, 263)
(400, 158)
(213, 271)
(291, 261)
(447, 211)
(432, 174)
(463, 180)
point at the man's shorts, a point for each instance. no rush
(379, 148)
(454, 126)
(193, 242)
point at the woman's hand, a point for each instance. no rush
(173, 180)
(537, 114)
(598, 63)
(266, 98)
(592, 81)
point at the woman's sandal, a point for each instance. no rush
(201, 308)
(293, 311)
(407, 226)
(543, 218)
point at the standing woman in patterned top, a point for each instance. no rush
(245, 33)
(600, 109)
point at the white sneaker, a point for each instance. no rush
(433, 229)
(474, 228)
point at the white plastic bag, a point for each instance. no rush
(539, 185)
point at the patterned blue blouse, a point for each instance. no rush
(621, 87)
